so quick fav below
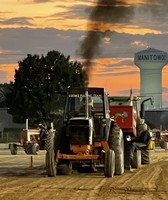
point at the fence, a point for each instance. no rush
(10, 135)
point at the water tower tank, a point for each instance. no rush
(151, 61)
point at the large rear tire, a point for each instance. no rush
(35, 148)
(145, 156)
(116, 143)
(47, 162)
(51, 166)
(109, 165)
(136, 162)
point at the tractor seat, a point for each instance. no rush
(144, 146)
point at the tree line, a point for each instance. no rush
(38, 82)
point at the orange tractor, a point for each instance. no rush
(30, 140)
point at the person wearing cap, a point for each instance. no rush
(143, 137)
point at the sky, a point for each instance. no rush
(121, 28)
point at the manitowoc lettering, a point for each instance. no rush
(152, 57)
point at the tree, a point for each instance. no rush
(4, 88)
(38, 80)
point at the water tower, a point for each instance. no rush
(151, 61)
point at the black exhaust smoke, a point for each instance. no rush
(103, 15)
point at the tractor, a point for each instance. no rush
(126, 111)
(88, 137)
(29, 140)
(96, 132)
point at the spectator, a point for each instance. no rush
(143, 138)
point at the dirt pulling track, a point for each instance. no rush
(18, 181)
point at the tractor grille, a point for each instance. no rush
(79, 132)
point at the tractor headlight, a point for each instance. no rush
(103, 122)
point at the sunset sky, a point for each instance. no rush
(124, 27)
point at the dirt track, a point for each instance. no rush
(18, 181)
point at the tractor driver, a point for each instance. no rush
(90, 105)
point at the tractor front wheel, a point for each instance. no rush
(13, 149)
(116, 142)
(109, 165)
(35, 148)
(27, 149)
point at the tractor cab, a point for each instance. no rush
(86, 115)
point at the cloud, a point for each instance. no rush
(17, 20)
(135, 92)
(42, 1)
(140, 44)
(16, 43)
(148, 13)
(73, 12)
(3, 77)
(158, 9)
(20, 41)
(118, 73)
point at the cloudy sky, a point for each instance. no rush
(121, 28)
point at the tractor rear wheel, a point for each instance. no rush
(35, 148)
(145, 156)
(50, 155)
(116, 143)
(109, 165)
(47, 162)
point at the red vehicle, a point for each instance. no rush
(126, 111)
